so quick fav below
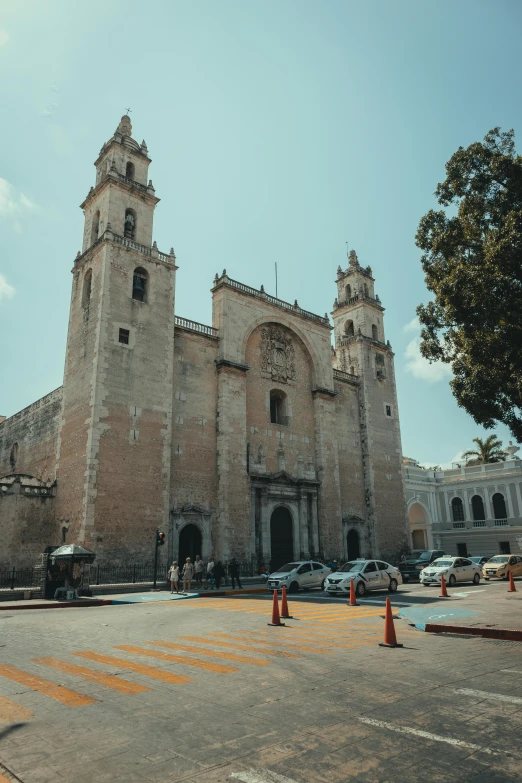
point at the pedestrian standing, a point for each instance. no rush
(188, 573)
(174, 577)
(210, 573)
(219, 573)
(198, 570)
(234, 573)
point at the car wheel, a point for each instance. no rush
(476, 579)
(294, 587)
(506, 578)
(322, 585)
(452, 581)
(392, 587)
(360, 589)
(486, 578)
(425, 584)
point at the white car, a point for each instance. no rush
(302, 574)
(366, 574)
(455, 569)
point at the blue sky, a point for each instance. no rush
(279, 130)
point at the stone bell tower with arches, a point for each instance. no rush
(114, 440)
(362, 351)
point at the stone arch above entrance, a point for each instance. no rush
(281, 537)
(417, 514)
(190, 542)
(353, 544)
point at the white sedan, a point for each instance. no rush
(302, 574)
(366, 575)
(455, 569)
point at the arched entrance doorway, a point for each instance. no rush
(354, 547)
(189, 543)
(281, 538)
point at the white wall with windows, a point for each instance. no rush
(470, 510)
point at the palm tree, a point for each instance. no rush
(489, 450)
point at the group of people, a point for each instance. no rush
(205, 575)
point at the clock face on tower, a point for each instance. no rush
(277, 354)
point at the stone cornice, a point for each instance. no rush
(114, 178)
(325, 392)
(283, 478)
(150, 253)
(228, 364)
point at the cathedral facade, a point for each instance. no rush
(253, 438)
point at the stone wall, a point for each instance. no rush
(35, 430)
(26, 520)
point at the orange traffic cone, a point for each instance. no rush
(512, 588)
(276, 620)
(443, 591)
(284, 606)
(353, 602)
(390, 639)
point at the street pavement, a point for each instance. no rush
(206, 691)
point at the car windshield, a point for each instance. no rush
(287, 567)
(442, 563)
(476, 559)
(419, 554)
(355, 566)
(499, 559)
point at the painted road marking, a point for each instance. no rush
(212, 654)
(46, 687)
(261, 776)
(148, 671)
(10, 712)
(108, 680)
(427, 735)
(306, 648)
(512, 671)
(487, 695)
(318, 645)
(237, 646)
(219, 668)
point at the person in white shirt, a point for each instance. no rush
(199, 568)
(209, 575)
(188, 573)
(174, 577)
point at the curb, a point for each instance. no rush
(506, 634)
(65, 605)
(221, 593)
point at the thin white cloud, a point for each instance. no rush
(4, 37)
(6, 291)
(13, 204)
(416, 364)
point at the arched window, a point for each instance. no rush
(13, 457)
(95, 226)
(477, 507)
(499, 506)
(129, 170)
(374, 332)
(278, 407)
(139, 285)
(129, 229)
(348, 292)
(457, 509)
(87, 288)
(348, 329)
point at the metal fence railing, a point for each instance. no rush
(20, 578)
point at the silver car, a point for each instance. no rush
(300, 575)
(366, 575)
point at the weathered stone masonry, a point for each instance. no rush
(252, 438)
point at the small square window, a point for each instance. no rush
(124, 336)
(388, 410)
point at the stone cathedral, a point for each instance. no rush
(254, 437)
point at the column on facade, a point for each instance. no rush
(304, 523)
(265, 524)
(487, 503)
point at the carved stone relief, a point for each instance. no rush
(277, 354)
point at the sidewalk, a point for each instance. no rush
(487, 610)
(130, 597)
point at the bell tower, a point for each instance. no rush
(360, 349)
(117, 407)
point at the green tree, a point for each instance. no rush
(472, 259)
(489, 450)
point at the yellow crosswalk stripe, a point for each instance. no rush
(46, 687)
(11, 712)
(219, 668)
(210, 653)
(108, 680)
(236, 646)
(148, 671)
(271, 643)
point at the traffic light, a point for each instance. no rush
(160, 538)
